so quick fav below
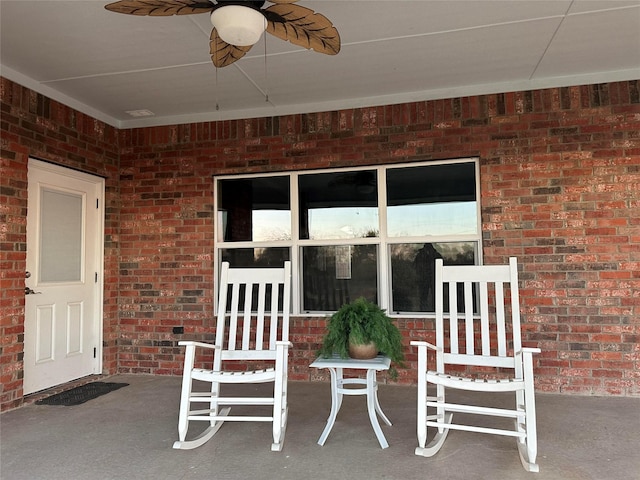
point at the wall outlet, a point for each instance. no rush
(178, 330)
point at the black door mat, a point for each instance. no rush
(81, 394)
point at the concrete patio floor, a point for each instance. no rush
(128, 434)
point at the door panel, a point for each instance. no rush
(45, 326)
(63, 306)
(75, 320)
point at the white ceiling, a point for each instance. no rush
(106, 64)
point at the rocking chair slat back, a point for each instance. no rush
(486, 340)
(250, 300)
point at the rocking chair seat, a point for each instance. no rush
(475, 384)
(234, 377)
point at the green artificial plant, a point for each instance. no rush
(360, 322)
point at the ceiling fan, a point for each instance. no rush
(238, 25)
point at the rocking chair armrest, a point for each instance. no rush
(525, 356)
(282, 348)
(420, 343)
(530, 350)
(188, 343)
(282, 355)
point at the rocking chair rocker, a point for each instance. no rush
(260, 339)
(484, 344)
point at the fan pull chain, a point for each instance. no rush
(266, 79)
(215, 64)
(217, 105)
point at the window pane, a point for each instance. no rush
(254, 209)
(428, 205)
(338, 205)
(335, 275)
(432, 200)
(413, 271)
(254, 257)
(61, 223)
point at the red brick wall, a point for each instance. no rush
(560, 176)
(33, 125)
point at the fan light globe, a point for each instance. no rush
(238, 25)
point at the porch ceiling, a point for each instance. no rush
(107, 64)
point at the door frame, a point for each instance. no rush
(98, 237)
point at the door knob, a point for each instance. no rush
(30, 291)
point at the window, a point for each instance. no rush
(373, 231)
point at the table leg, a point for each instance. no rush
(378, 407)
(338, 389)
(373, 406)
(336, 403)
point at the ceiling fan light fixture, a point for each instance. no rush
(238, 25)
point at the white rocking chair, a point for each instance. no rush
(261, 340)
(483, 343)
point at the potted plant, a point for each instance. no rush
(363, 325)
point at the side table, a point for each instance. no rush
(339, 387)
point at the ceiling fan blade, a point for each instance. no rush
(160, 8)
(223, 53)
(302, 26)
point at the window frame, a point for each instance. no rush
(383, 241)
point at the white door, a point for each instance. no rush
(63, 303)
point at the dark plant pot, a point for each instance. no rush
(364, 351)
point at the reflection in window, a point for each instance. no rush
(413, 271)
(254, 257)
(254, 209)
(432, 200)
(338, 247)
(338, 205)
(337, 274)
